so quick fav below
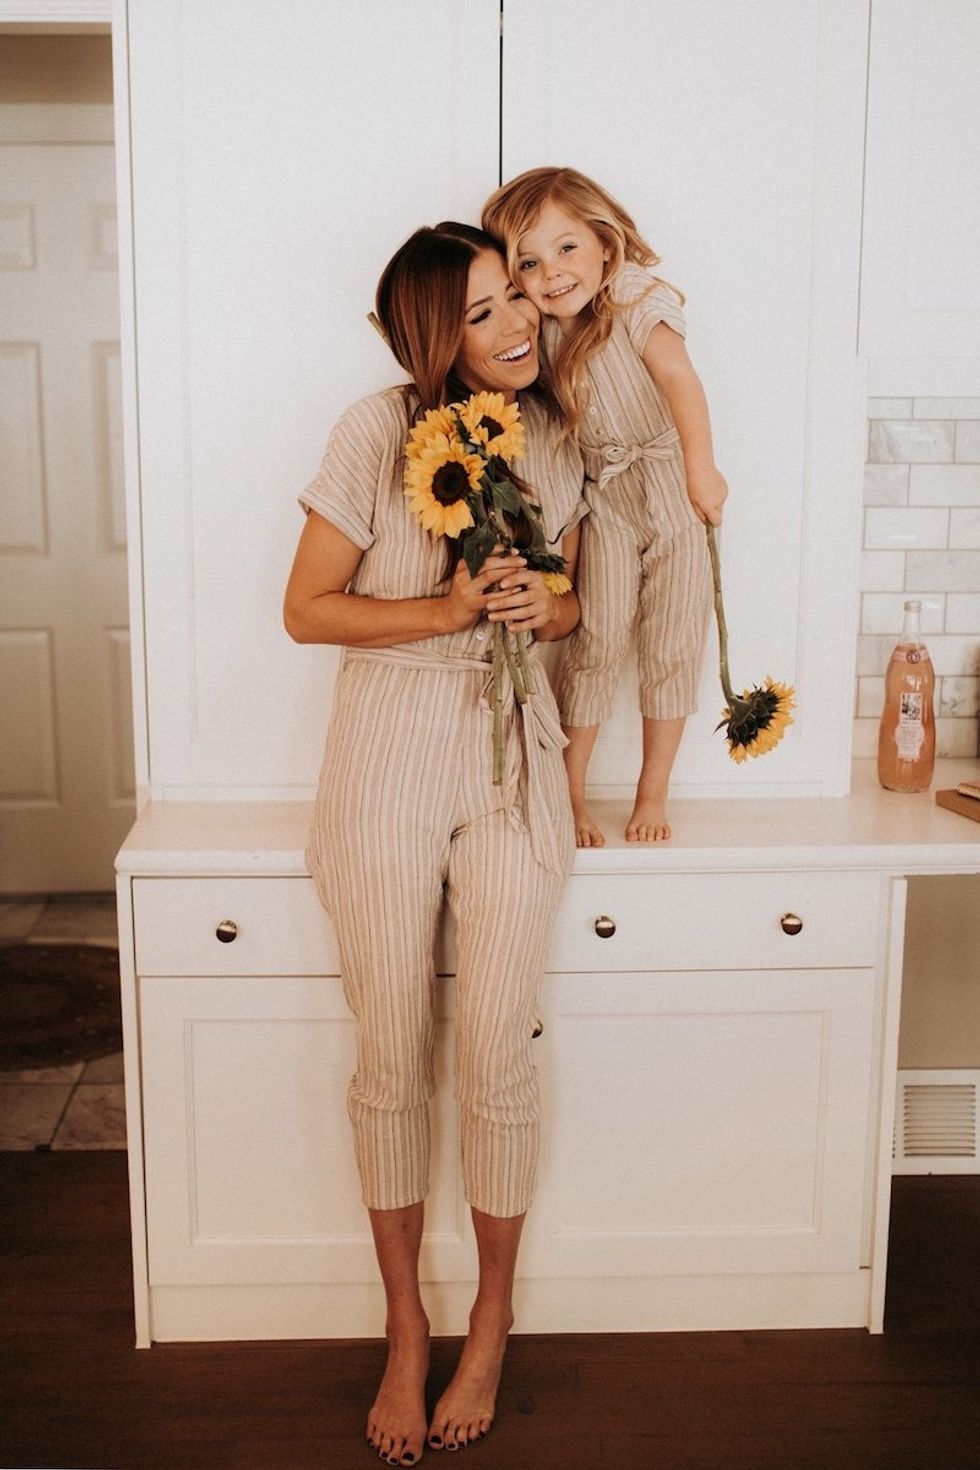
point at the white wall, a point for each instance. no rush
(920, 334)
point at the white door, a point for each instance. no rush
(66, 758)
(733, 131)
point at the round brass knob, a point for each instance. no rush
(791, 923)
(226, 931)
(605, 927)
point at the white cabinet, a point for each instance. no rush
(710, 1068)
(733, 132)
(920, 304)
(275, 168)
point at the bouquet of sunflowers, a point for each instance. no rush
(459, 484)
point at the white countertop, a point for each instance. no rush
(869, 828)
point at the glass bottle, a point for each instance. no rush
(907, 732)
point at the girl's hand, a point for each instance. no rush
(467, 600)
(523, 602)
(707, 492)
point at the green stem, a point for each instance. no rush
(523, 642)
(726, 683)
(498, 705)
(514, 665)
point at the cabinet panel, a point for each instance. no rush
(920, 301)
(733, 133)
(702, 1124)
(250, 1173)
(275, 169)
(708, 921)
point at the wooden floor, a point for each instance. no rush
(75, 1393)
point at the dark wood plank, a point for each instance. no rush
(74, 1392)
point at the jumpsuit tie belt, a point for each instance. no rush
(614, 459)
(538, 730)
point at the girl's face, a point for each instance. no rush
(500, 337)
(559, 263)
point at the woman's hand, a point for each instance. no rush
(469, 598)
(523, 602)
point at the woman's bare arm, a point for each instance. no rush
(319, 609)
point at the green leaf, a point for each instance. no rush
(477, 546)
(507, 497)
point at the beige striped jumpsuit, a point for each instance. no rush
(406, 814)
(643, 561)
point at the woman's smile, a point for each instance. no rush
(499, 352)
(514, 354)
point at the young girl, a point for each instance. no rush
(614, 334)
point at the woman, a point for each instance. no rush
(407, 810)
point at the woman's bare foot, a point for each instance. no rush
(587, 834)
(465, 1411)
(649, 820)
(396, 1421)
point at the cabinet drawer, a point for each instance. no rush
(689, 921)
(281, 928)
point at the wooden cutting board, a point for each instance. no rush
(967, 806)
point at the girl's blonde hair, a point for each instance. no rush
(513, 209)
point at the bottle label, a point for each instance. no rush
(910, 730)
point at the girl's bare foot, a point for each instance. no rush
(649, 821)
(465, 1411)
(587, 834)
(396, 1420)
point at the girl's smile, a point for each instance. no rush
(560, 262)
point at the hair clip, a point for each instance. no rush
(377, 326)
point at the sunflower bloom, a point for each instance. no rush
(756, 722)
(557, 583)
(437, 423)
(494, 424)
(438, 483)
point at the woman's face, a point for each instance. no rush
(500, 337)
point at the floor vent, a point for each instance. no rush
(936, 1123)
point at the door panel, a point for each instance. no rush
(66, 761)
(275, 170)
(733, 133)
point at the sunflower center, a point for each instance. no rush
(491, 426)
(450, 483)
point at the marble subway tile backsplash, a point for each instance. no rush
(922, 539)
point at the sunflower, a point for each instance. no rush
(438, 483)
(437, 422)
(557, 583)
(551, 566)
(496, 425)
(756, 722)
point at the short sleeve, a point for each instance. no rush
(644, 301)
(359, 454)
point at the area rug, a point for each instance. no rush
(59, 1003)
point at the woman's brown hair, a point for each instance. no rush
(421, 305)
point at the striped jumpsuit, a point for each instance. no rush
(643, 561)
(406, 815)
